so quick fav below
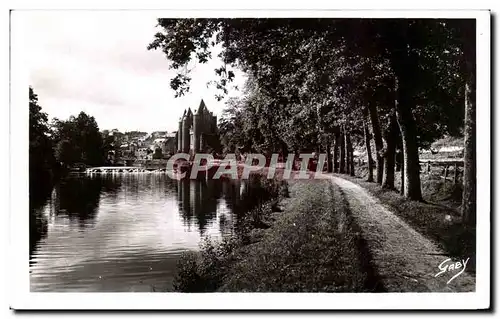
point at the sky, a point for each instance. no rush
(98, 62)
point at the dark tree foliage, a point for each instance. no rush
(41, 167)
(157, 153)
(315, 75)
(41, 154)
(78, 140)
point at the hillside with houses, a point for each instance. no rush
(137, 145)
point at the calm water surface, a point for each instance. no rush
(125, 232)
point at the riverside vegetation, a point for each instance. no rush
(302, 242)
(321, 84)
(331, 85)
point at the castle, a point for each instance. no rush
(197, 132)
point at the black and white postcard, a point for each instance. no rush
(267, 159)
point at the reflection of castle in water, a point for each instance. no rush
(204, 206)
(200, 202)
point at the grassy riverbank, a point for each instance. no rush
(304, 243)
(435, 189)
(441, 223)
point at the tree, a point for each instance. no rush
(369, 157)
(108, 145)
(90, 139)
(66, 153)
(336, 147)
(391, 135)
(315, 69)
(468, 40)
(343, 155)
(377, 136)
(404, 63)
(41, 155)
(42, 167)
(78, 140)
(157, 153)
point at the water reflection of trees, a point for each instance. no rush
(78, 198)
(74, 197)
(38, 196)
(202, 203)
(108, 185)
(241, 196)
(198, 201)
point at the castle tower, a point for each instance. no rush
(196, 132)
(199, 127)
(203, 127)
(186, 126)
(179, 135)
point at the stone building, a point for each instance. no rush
(197, 132)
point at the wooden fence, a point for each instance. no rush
(457, 165)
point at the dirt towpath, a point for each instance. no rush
(404, 259)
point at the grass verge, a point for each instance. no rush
(311, 245)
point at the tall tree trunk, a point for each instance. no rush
(352, 160)
(336, 153)
(408, 128)
(389, 154)
(329, 162)
(402, 190)
(405, 66)
(284, 149)
(319, 128)
(342, 152)
(377, 136)
(398, 158)
(349, 155)
(347, 152)
(368, 152)
(469, 177)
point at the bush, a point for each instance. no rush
(186, 278)
(204, 271)
(158, 154)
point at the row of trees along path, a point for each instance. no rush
(315, 83)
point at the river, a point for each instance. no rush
(125, 232)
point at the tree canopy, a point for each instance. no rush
(78, 140)
(338, 64)
(41, 155)
(312, 79)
